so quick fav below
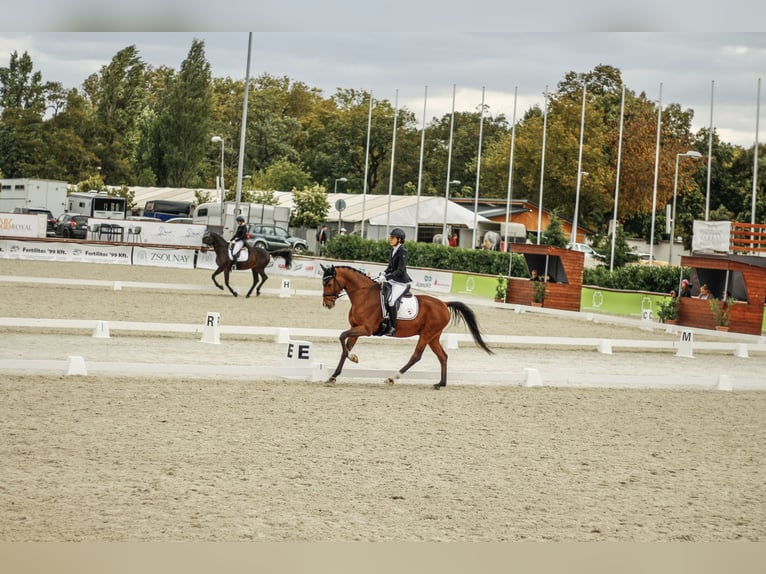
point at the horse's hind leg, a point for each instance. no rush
(417, 354)
(441, 354)
(255, 280)
(263, 280)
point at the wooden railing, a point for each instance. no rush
(748, 238)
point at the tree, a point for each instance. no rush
(117, 96)
(282, 175)
(311, 206)
(553, 235)
(183, 132)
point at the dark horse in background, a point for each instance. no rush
(366, 315)
(257, 260)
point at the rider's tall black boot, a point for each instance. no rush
(391, 329)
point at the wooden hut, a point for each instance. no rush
(565, 268)
(740, 277)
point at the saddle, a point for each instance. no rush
(407, 306)
(241, 256)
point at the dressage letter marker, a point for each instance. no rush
(298, 356)
(211, 332)
(285, 290)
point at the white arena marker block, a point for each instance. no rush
(76, 366)
(724, 383)
(285, 290)
(117, 286)
(741, 351)
(533, 378)
(318, 372)
(211, 333)
(605, 347)
(686, 345)
(298, 355)
(451, 342)
(283, 335)
(101, 331)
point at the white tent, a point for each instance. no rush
(430, 212)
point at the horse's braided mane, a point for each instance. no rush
(354, 269)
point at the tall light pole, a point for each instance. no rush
(696, 155)
(573, 237)
(579, 171)
(445, 239)
(217, 139)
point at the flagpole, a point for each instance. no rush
(478, 171)
(393, 151)
(542, 171)
(617, 183)
(573, 238)
(755, 153)
(420, 167)
(656, 175)
(509, 194)
(366, 162)
(449, 168)
(709, 153)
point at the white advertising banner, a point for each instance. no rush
(150, 232)
(73, 252)
(158, 257)
(711, 236)
(23, 225)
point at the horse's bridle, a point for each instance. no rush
(328, 299)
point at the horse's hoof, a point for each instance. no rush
(330, 382)
(234, 293)
(353, 358)
(438, 386)
(389, 381)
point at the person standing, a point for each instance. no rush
(322, 239)
(394, 279)
(686, 288)
(238, 241)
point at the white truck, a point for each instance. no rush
(221, 218)
(46, 193)
(99, 205)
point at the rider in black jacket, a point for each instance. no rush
(238, 241)
(394, 279)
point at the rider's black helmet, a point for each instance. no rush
(398, 233)
(240, 219)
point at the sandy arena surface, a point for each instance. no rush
(201, 458)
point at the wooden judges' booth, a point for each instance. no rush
(741, 277)
(565, 268)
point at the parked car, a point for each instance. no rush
(51, 227)
(592, 257)
(180, 220)
(73, 225)
(273, 237)
(644, 258)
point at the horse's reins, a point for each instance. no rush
(338, 292)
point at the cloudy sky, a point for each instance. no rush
(401, 64)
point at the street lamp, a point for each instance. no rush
(573, 238)
(341, 179)
(216, 139)
(695, 155)
(445, 240)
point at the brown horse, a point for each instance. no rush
(366, 315)
(257, 260)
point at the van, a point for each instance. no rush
(163, 209)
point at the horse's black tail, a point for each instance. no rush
(462, 311)
(286, 254)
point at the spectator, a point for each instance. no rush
(322, 239)
(704, 292)
(534, 275)
(686, 288)
(453, 239)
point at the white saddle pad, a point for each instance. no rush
(241, 256)
(408, 308)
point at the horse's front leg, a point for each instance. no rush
(347, 341)
(226, 280)
(417, 354)
(216, 272)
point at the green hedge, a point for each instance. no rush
(658, 279)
